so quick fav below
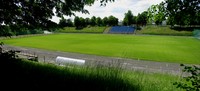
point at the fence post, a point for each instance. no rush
(44, 59)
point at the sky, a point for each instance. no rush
(117, 9)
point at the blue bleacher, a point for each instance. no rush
(122, 29)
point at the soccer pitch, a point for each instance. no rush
(153, 48)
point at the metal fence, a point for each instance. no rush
(33, 56)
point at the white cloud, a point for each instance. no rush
(117, 8)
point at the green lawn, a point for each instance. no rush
(164, 30)
(154, 48)
(84, 30)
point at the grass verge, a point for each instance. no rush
(36, 76)
(84, 30)
(163, 30)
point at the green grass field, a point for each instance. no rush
(84, 30)
(154, 48)
(164, 30)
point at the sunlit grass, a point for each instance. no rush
(154, 48)
(84, 30)
(163, 30)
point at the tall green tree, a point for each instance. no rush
(38, 12)
(93, 21)
(69, 23)
(112, 21)
(157, 13)
(63, 22)
(82, 22)
(87, 21)
(183, 12)
(142, 18)
(134, 19)
(77, 22)
(99, 21)
(128, 19)
(105, 21)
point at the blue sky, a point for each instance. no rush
(117, 8)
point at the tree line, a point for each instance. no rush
(174, 12)
(80, 22)
(129, 19)
(27, 15)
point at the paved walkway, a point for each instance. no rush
(147, 66)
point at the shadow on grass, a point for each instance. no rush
(25, 75)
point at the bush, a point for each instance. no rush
(22, 31)
(36, 31)
(6, 31)
(191, 82)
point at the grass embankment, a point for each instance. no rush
(84, 30)
(163, 30)
(175, 49)
(29, 75)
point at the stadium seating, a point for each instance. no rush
(122, 29)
